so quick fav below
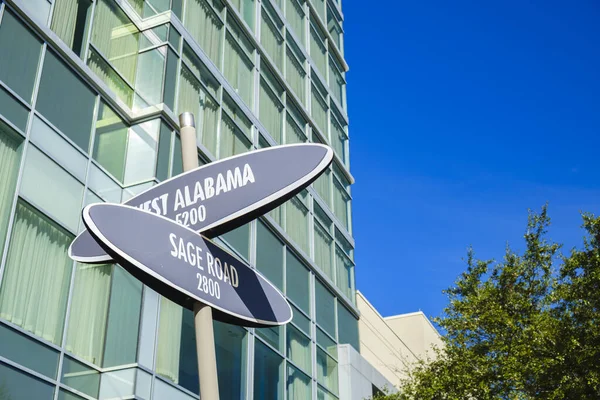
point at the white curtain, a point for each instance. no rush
(327, 374)
(169, 340)
(299, 348)
(338, 139)
(233, 141)
(64, 18)
(323, 244)
(89, 312)
(336, 83)
(105, 72)
(323, 186)
(296, 222)
(238, 70)
(116, 37)
(318, 50)
(271, 40)
(298, 385)
(293, 133)
(205, 27)
(340, 203)
(344, 273)
(270, 111)
(319, 111)
(36, 280)
(294, 75)
(10, 156)
(295, 15)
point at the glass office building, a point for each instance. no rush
(90, 91)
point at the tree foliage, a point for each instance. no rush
(527, 327)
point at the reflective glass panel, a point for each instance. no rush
(268, 371)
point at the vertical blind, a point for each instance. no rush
(317, 50)
(295, 16)
(319, 111)
(296, 222)
(238, 70)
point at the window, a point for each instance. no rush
(233, 140)
(71, 114)
(327, 370)
(294, 13)
(194, 99)
(296, 220)
(205, 26)
(80, 377)
(341, 198)
(294, 73)
(271, 109)
(339, 139)
(268, 371)
(298, 282)
(345, 274)
(176, 351)
(239, 239)
(319, 110)
(269, 255)
(299, 348)
(70, 21)
(294, 127)
(20, 51)
(28, 352)
(320, 7)
(271, 38)
(298, 385)
(110, 143)
(38, 263)
(149, 77)
(246, 8)
(11, 147)
(18, 385)
(116, 39)
(238, 66)
(13, 110)
(325, 302)
(50, 187)
(348, 328)
(334, 28)
(323, 242)
(318, 51)
(323, 186)
(337, 84)
(230, 343)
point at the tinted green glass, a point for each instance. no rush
(325, 308)
(298, 385)
(327, 371)
(299, 348)
(70, 20)
(170, 79)
(123, 319)
(272, 335)
(268, 371)
(65, 395)
(301, 320)
(164, 150)
(17, 385)
(269, 255)
(230, 344)
(298, 285)
(28, 352)
(326, 343)
(71, 114)
(348, 328)
(80, 377)
(20, 51)
(110, 143)
(239, 239)
(13, 110)
(177, 167)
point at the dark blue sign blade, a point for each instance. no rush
(185, 267)
(226, 194)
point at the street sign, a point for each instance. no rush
(225, 194)
(185, 267)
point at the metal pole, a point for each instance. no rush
(203, 322)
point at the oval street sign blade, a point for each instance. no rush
(223, 195)
(185, 267)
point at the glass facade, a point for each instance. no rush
(90, 91)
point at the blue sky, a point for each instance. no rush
(462, 116)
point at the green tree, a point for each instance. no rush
(527, 327)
